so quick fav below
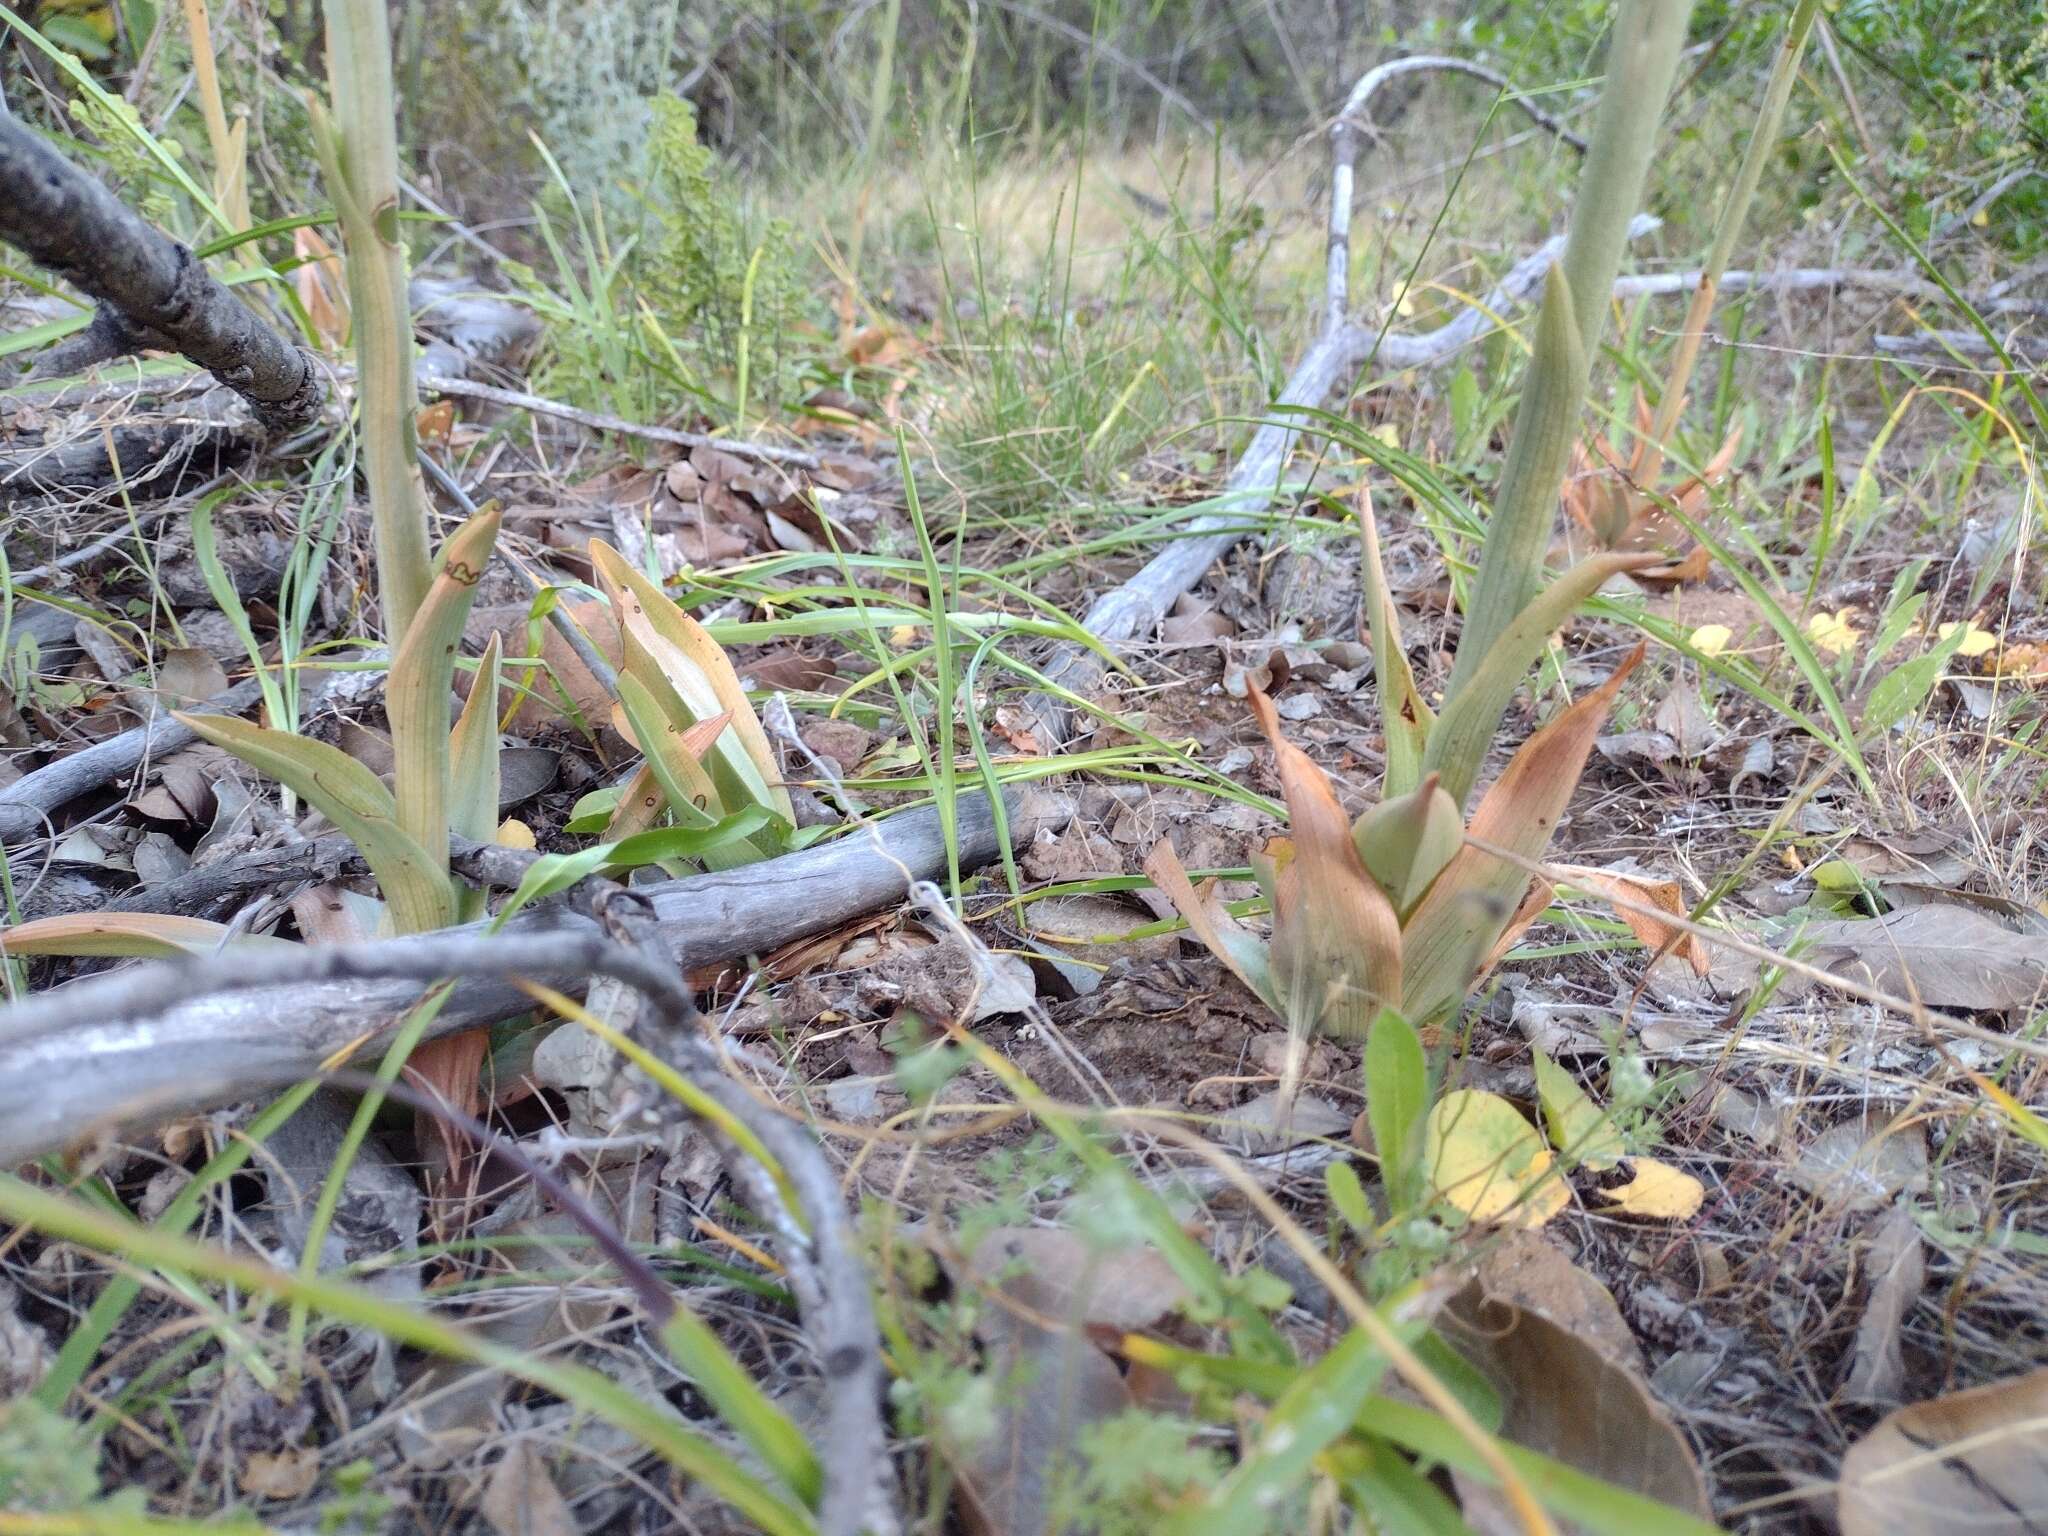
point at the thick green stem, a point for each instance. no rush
(362, 171)
(1770, 118)
(1641, 61)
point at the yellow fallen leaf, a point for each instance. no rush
(513, 833)
(1976, 642)
(1483, 1158)
(1834, 632)
(1712, 639)
(1658, 1190)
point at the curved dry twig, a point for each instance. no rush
(1344, 347)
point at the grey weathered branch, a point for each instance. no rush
(110, 1051)
(820, 1252)
(1332, 362)
(26, 804)
(152, 291)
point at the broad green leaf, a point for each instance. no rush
(697, 668)
(676, 756)
(1905, 688)
(1463, 733)
(1397, 1500)
(693, 799)
(1318, 1408)
(1340, 1183)
(1396, 1099)
(1482, 1158)
(106, 935)
(1583, 1135)
(1406, 717)
(1450, 934)
(422, 673)
(1405, 842)
(415, 886)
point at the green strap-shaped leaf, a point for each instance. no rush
(694, 798)
(1465, 730)
(698, 670)
(423, 671)
(415, 886)
(1404, 716)
(473, 769)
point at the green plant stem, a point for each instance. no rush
(360, 158)
(1641, 61)
(1763, 139)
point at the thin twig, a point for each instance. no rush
(601, 421)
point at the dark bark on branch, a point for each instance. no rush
(111, 1050)
(153, 292)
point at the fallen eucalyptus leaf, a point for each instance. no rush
(1974, 1461)
(1942, 956)
(1658, 1190)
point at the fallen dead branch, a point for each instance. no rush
(152, 291)
(600, 421)
(819, 1250)
(26, 804)
(112, 1050)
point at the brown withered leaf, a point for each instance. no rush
(1050, 1294)
(1336, 937)
(521, 1499)
(1629, 893)
(1445, 944)
(189, 675)
(1570, 1380)
(1974, 1461)
(1942, 956)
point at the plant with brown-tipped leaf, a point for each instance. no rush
(1404, 908)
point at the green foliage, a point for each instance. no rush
(1971, 80)
(47, 1463)
(1134, 1470)
(718, 283)
(704, 296)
